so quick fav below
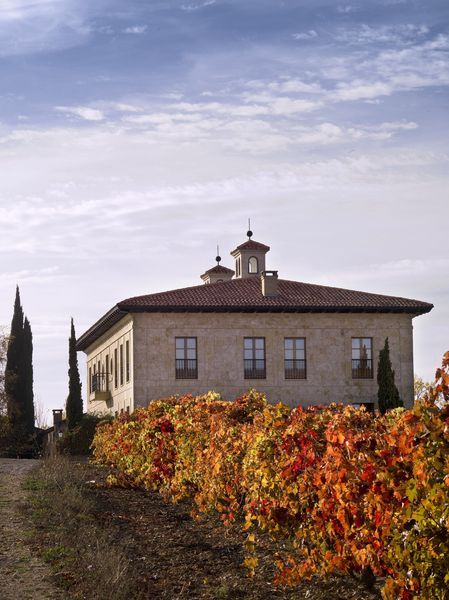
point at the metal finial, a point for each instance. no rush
(218, 257)
(249, 233)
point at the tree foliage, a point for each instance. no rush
(387, 394)
(341, 490)
(19, 375)
(74, 403)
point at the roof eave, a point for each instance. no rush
(112, 317)
(415, 311)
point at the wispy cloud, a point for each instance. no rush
(305, 35)
(30, 26)
(84, 112)
(136, 29)
(345, 9)
(392, 34)
(197, 6)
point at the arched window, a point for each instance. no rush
(253, 266)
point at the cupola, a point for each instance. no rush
(218, 273)
(249, 258)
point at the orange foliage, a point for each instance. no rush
(343, 490)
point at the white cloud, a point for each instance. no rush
(305, 35)
(346, 9)
(192, 7)
(396, 34)
(84, 112)
(29, 26)
(136, 29)
(361, 90)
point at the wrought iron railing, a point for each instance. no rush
(254, 369)
(362, 368)
(186, 368)
(100, 382)
(295, 369)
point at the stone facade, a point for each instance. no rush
(104, 357)
(220, 356)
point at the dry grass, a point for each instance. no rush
(67, 533)
(113, 543)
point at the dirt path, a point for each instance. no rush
(22, 576)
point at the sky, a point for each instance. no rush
(136, 136)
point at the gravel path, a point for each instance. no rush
(22, 575)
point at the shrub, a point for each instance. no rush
(78, 441)
(342, 490)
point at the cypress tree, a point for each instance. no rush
(28, 377)
(387, 394)
(74, 404)
(14, 384)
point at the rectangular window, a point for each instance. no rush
(115, 368)
(90, 380)
(121, 364)
(295, 358)
(186, 363)
(127, 360)
(254, 358)
(106, 364)
(362, 358)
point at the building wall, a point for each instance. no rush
(121, 396)
(220, 355)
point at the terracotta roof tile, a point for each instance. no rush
(245, 295)
(219, 269)
(294, 296)
(251, 245)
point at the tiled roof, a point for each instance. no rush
(245, 295)
(251, 245)
(294, 296)
(219, 269)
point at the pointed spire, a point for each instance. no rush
(249, 233)
(218, 257)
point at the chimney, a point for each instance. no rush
(270, 284)
(57, 416)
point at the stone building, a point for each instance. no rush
(299, 343)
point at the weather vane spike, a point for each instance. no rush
(249, 233)
(218, 257)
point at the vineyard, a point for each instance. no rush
(339, 490)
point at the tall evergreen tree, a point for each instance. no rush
(14, 384)
(28, 377)
(74, 405)
(387, 393)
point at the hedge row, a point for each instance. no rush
(342, 490)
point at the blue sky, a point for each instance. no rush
(135, 136)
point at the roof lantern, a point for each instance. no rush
(217, 274)
(249, 257)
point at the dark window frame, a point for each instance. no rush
(250, 271)
(361, 367)
(298, 367)
(250, 368)
(186, 368)
(121, 363)
(115, 368)
(127, 365)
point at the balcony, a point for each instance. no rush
(254, 369)
(362, 368)
(295, 369)
(99, 387)
(186, 368)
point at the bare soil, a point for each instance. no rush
(175, 556)
(23, 576)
